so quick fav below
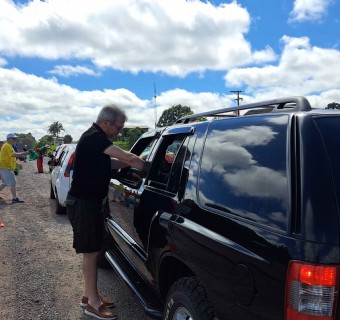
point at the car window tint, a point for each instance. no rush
(182, 155)
(164, 160)
(62, 157)
(244, 169)
(146, 152)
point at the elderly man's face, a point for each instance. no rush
(114, 128)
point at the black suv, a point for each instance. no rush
(238, 218)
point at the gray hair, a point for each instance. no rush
(111, 112)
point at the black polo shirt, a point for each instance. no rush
(92, 168)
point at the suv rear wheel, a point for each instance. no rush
(187, 299)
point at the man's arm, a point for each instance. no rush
(122, 158)
(118, 164)
(20, 154)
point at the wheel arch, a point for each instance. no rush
(170, 270)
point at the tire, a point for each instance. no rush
(187, 299)
(59, 209)
(52, 196)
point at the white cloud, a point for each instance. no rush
(30, 104)
(263, 56)
(71, 71)
(169, 36)
(198, 102)
(305, 10)
(302, 70)
(173, 37)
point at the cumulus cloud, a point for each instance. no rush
(71, 71)
(311, 10)
(169, 36)
(30, 104)
(303, 69)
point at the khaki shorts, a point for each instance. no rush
(87, 220)
(8, 177)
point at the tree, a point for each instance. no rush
(169, 116)
(333, 105)
(47, 139)
(67, 138)
(55, 128)
(25, 139)
(132, 135)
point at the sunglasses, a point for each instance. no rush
(114, 125)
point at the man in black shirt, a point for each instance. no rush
(95, 157)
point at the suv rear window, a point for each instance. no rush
(244, 169)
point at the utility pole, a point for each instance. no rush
(238, 98)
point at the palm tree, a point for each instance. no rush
(55, 128)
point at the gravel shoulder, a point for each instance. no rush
(40, 274)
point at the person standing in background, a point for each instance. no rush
(41, 153)
(1, 144)
(8, 164)
(25, 149)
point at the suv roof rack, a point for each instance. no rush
(297, 103)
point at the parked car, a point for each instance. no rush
(241, 224)
(61, 175)
(54, 156)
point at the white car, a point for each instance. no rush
(61, 176)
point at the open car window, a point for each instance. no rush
(131, 176)
(168, 162)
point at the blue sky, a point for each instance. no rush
(62, 60)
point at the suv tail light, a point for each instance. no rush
(311, 291)
(69, 166)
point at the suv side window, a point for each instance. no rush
(167, 165)
(244, 169)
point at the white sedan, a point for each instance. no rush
(61, 177)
